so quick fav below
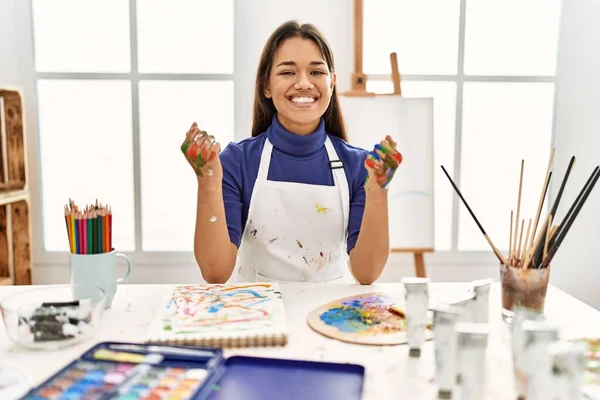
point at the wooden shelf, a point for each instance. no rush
(15, 201)
(6, 281)
(12, 196)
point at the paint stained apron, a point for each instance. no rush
(295, 232)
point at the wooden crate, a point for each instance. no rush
(15, 224)
(15, 234)
(13, 160)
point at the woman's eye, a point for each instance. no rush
(287, 73)
(318, 72)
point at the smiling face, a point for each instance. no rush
(300, 85)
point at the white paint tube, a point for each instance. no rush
(521, 315)
(445, 318)
(480, 305)
(472, 340)
(538, 337)
(417, 302)
(568, 367)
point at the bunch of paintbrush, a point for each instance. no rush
(89, 230)
(539, 246)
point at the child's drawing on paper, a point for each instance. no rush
(209, 308)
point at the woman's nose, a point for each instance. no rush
(303, 82)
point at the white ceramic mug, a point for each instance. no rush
(100, 270)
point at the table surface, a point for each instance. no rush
(389, 371)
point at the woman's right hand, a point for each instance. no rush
(202, 153)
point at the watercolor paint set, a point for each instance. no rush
(118, 370)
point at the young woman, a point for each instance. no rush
(293, 202)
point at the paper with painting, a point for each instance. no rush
(229, 315)
(370, 318)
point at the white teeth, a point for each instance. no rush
(303, 100)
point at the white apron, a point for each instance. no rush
(296, 232)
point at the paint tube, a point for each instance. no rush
(480, 305)
(568, 367)
(445, 318)
(472, 340)
(417, 302)
(466, 306)
(538, 337)
(521, 314)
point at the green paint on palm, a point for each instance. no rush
(185, 146)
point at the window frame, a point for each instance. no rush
(460, 78)
(29, 77)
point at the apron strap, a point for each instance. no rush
(339, 179)
(265, 161)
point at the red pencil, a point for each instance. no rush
(110, 246)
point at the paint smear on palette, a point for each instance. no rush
(364, 315)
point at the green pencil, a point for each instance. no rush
(99, 223)
(90, 233)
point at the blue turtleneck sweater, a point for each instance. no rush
(300, 159)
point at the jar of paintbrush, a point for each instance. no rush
(525, 273)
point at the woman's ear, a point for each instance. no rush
(333, 79)
(267, 93)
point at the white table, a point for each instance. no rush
(390, 373)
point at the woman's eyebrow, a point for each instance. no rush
(294, 63)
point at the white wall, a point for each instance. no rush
(577, 264)
(9, 65)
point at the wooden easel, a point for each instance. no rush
(359, 88)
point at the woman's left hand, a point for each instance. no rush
(381, 163)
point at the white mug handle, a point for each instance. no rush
(128, 267)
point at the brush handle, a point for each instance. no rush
(537, 257)
(567, 224)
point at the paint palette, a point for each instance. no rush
(129, 371)
(92, 380)
(369, 318)
(123, 371)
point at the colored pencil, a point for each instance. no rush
(90, 233)
(110, 229)
(106, 243)
(99, 224)
(89, 229)
(72, 223)
(94, 233)
(76, 225)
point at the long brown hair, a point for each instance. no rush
(264, 109)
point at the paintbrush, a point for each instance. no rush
(537, 255)
(574, 205)
(516, 260)
(496, 251)
(544, 191)
(567, 223)
(395, 310)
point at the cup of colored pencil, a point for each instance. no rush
(525, 270)
(89, 230)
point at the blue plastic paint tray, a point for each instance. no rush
(254, 378)
(120, 370)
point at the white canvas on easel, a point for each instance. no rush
(409, 121)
